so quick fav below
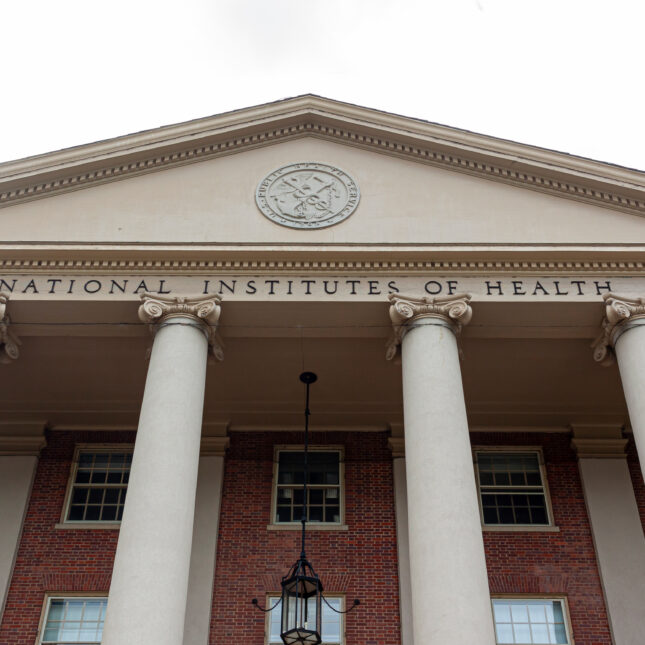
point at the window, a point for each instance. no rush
(332, 623)
(512, 489)
(530, 621)
(98, 485)
(73, 620)
(324, 492)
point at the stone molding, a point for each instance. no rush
(22, 439)
(9, 342)
(620, 311)
(453, 310)
(121, 265)
(214, 446)
(402, 137)
(598, 441)
(156, 310)
(397, 446)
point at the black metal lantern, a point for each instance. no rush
(302, 598)
(301, 605)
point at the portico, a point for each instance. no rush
(169, 304)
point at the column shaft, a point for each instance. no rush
(630, 352)
(147, 600)
(202, 562)
(450, 595)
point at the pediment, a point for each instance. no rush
(423, 188)
(441, 146)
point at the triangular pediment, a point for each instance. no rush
(402, 137)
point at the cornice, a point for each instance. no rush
(538, 169)
(143, 265)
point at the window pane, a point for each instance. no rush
(511, 483)
(504, 633)
(96, 470)
(74, 621)
(331, 622)
(529, 621)
(323, 497)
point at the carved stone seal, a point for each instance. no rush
(307, 195)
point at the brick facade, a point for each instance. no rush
(359, 562)
(562, 563)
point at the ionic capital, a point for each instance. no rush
(9, 342)
(454, 311)
(156, 310)
(620, 312)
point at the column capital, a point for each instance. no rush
(453, 311)
(620, 313)
(9, 342)
(156, 310)
(598, 441)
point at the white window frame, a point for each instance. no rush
(72, 595)
(550, 525)
(271, 600)
(531, 597)
(94, 448)
(273, 523)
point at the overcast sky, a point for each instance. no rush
(562, 74)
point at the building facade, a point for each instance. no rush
(474, 310)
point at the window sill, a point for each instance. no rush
(523, 528)
(310, 527)
(83, 526)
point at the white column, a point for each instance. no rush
(147, 601)
(450, 595)
(205, 529)
(616, 528)
(623, 335)
(20, 445)
(402, 541)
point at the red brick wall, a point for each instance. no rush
(56, 560)
(552, 563)
(360, 562)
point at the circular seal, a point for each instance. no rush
(307, 195)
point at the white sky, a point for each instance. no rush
(561, 74)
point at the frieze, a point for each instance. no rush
(347, 287)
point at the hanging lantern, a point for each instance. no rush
(301, 605)
(301, 621)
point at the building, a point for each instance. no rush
(473, 309)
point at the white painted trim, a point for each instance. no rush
(538, 596)
(545, 485)
(341, 492)
(86, 447)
